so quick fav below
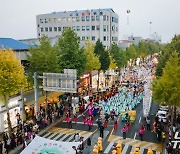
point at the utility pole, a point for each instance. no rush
(36, 94)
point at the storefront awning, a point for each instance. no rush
(42, 99)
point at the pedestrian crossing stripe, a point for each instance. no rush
(126, 149)
(65, 134)
(132, 142)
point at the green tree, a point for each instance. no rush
(103, 55)
(70, 54)
(119, 55)
(92, 62)
(166, 53)
(12, 79)
(103, 58)
(43, 58)
(166, 89)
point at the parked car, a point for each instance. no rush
(162, 115)
(163, 108)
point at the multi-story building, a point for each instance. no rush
(88, 24)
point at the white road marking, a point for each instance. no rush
(125, 149)
(65, 136)
(109, 147)
(57, 137)
(135, 136)
(140, 120)
(46, 135)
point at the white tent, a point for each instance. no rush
(40, 145)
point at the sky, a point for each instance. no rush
(18, 17)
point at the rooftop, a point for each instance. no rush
(9, 43)
(78, 11)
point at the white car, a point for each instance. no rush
(163, 108)
(162, 115)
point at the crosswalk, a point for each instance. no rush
(130, 144)
(126, 149)
(65, 134)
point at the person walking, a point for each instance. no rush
(70, 122)
(76, 137)
(101, 131)
(124, 130)
(88, 144)
(141, 132)
(115, 125)
(148, 123)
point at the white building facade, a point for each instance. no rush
(94, 24)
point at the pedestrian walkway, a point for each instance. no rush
(128, 142)
(65, 134)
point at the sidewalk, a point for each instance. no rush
(19, 148)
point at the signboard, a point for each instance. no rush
(66, 82)
(40, 145)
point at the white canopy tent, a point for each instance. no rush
(40, 145)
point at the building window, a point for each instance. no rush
(42, 29)
(78, 28)
(101, 13)
(55, 20)
(93, 38)
(113, 28)
(73, 19)
(39, 35)
(104, 17)
(46, 20)
(104, 38)
(46, 29)
(41, 21)
(93, 28)
(87, 18)
(38, 25)
(55, 29)
(104, 28)
(74, 28)
(50, 20)
(83, 38)
(77, 19)
(83, 28)
(82, 18)
(59, 20)
(107, 17)
(68, 19)
(87, 37)
(93, 18)
(64, 19)
(114, 19)
(97, 18)
(59, 29)
(114, 39)
(97, 27)
(50, 29)
(87, 28)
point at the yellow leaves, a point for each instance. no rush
(12, 76)
(92, 60)
(112, 63)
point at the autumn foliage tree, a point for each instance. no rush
(12, 79)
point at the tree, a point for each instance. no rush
(112, 63)
(103, 58)
(166, 89)
(12, 78)
(43, 58)
(92, 62)
(166, 53)
(103, 55)
(70, 54)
